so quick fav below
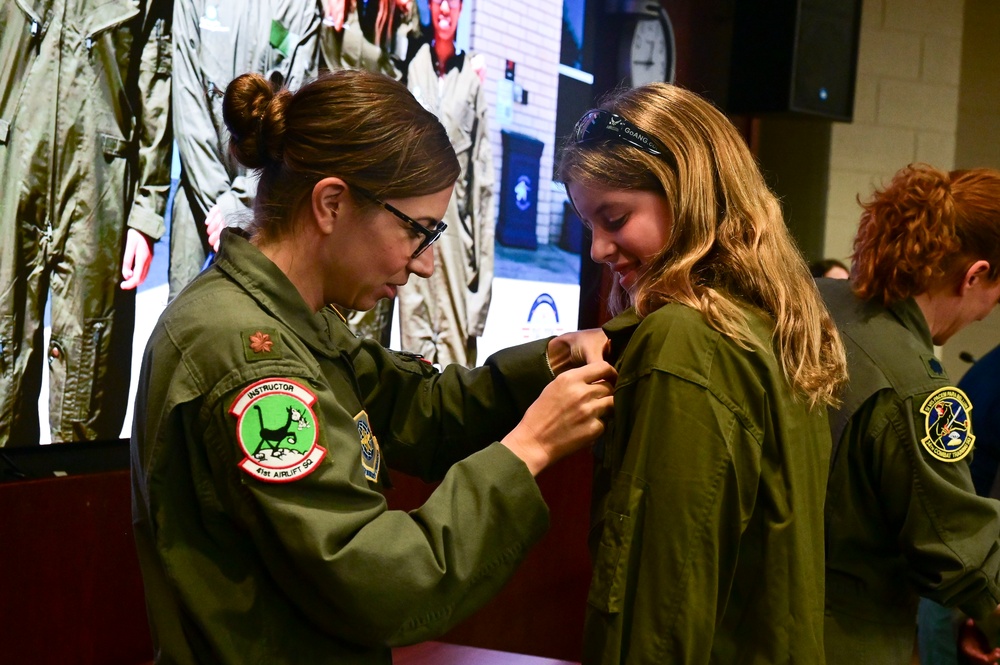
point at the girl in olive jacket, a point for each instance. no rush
(707, 529)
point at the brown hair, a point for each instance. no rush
(728, 242)
(359, 126)
(924, 229)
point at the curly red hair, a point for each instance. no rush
(924, 229)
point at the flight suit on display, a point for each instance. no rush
(441, 317)
(84, 156)
(214, 42)
(902, 517)
(350, 44)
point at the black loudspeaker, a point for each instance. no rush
(794, 55)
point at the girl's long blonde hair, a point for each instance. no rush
(728, 241)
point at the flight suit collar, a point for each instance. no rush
(454, 62)
(620, 330)
(909, 314)
(276, 294)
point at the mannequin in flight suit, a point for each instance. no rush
(84, 162)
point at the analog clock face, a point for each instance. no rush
(650, 52)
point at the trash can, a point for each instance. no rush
(519, 190)
(571, 235)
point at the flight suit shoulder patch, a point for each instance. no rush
(934, 367)
(277, 430)
(371, 456)
(261, 344)
(947, 424)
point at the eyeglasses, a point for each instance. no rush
(601, 124)
(430, 235)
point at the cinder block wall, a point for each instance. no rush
(531, 39)
(977, 145)
(906, 105)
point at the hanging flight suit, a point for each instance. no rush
(84, 156)
(214, 43)
(348, 41)
(441, 317)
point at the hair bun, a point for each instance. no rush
(254, 113)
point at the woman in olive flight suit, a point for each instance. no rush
(263, 424)
(902, 517)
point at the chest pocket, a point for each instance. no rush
(619, 544)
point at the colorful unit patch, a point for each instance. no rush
(277, 429)
(948, 422)
(371, 456)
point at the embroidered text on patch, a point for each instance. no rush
(277, 430)
(948, 424)
(371, 456)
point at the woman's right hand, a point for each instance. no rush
(566, 417)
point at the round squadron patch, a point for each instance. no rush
(276, 427)
(948, 423)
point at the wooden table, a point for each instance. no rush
(439, 653)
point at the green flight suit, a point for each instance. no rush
(442, 316)
(316, 569)
(707, 524)
(213, 44)
(84, 155)
(900, 522)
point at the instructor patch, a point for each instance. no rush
(948, 423)
(276, 427)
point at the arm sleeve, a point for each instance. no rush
(375, 576)
(381, 576)
(459, 410)
(198, 140)
(947, 533)
(153, 124)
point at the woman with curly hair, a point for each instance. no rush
(902, 517)
(708, 501)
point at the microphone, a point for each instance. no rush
(967, 357)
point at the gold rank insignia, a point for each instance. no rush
(948, 424)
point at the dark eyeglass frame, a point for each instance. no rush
(430, 236)
(603, 124)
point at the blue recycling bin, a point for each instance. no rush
(519, 190)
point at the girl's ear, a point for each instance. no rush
(327, 197)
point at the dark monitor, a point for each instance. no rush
(55, 460)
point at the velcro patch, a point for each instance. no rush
(948, 424)
(371, 456)
(277, 429)
(934, 367)
(261, 344)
